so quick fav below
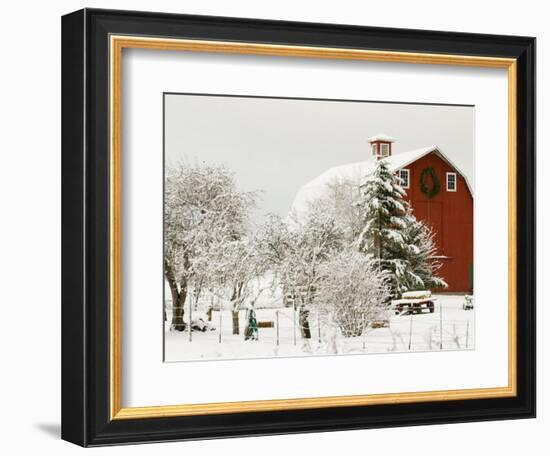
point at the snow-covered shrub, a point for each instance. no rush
(351, 292)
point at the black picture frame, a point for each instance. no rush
(85, 228)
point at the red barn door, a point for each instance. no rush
(431, 212)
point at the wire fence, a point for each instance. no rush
(284, 327)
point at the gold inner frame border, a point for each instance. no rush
(117, 44)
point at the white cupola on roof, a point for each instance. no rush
(380, 145)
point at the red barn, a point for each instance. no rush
(441, 196)
(438, 191)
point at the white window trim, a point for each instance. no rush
(374, 150)
(408, 171)
(447, 182)
(387, 153)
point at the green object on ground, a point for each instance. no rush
(251, 331)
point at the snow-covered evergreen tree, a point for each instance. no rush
(422, 264)
(391, 234)
(386, 215)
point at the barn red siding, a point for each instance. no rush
(451, 216)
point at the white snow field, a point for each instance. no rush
(458, 331)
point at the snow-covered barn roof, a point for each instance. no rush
(357, 172)
(381, 137)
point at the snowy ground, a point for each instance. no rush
(457, 334)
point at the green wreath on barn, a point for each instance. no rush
(424, 186)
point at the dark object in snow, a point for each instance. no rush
(468, 303)
(382, 323)
(304, 323)
(266, 324)
(202, 324)
(407, 306)
(251, 330)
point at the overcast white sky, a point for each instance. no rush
(277, 145)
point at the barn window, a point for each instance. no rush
(404, 176)
(374, 151)
(385, 149)
(451, 182)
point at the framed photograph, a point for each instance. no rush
(277, 227)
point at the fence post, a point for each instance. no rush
(411, 331)
(364, 333)
(294, 322)
(319, 326)
(441, 326)
(277, 316)
(190, 317)
(220, 335)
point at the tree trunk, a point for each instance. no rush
(304, 323)
(235, 305)
(235, 315)
(178, 324)
(178, 298)
(209, 313)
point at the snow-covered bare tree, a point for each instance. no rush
(351, 291)
(235, 271)
(294, 251)
(340, 199)
(203, 210)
